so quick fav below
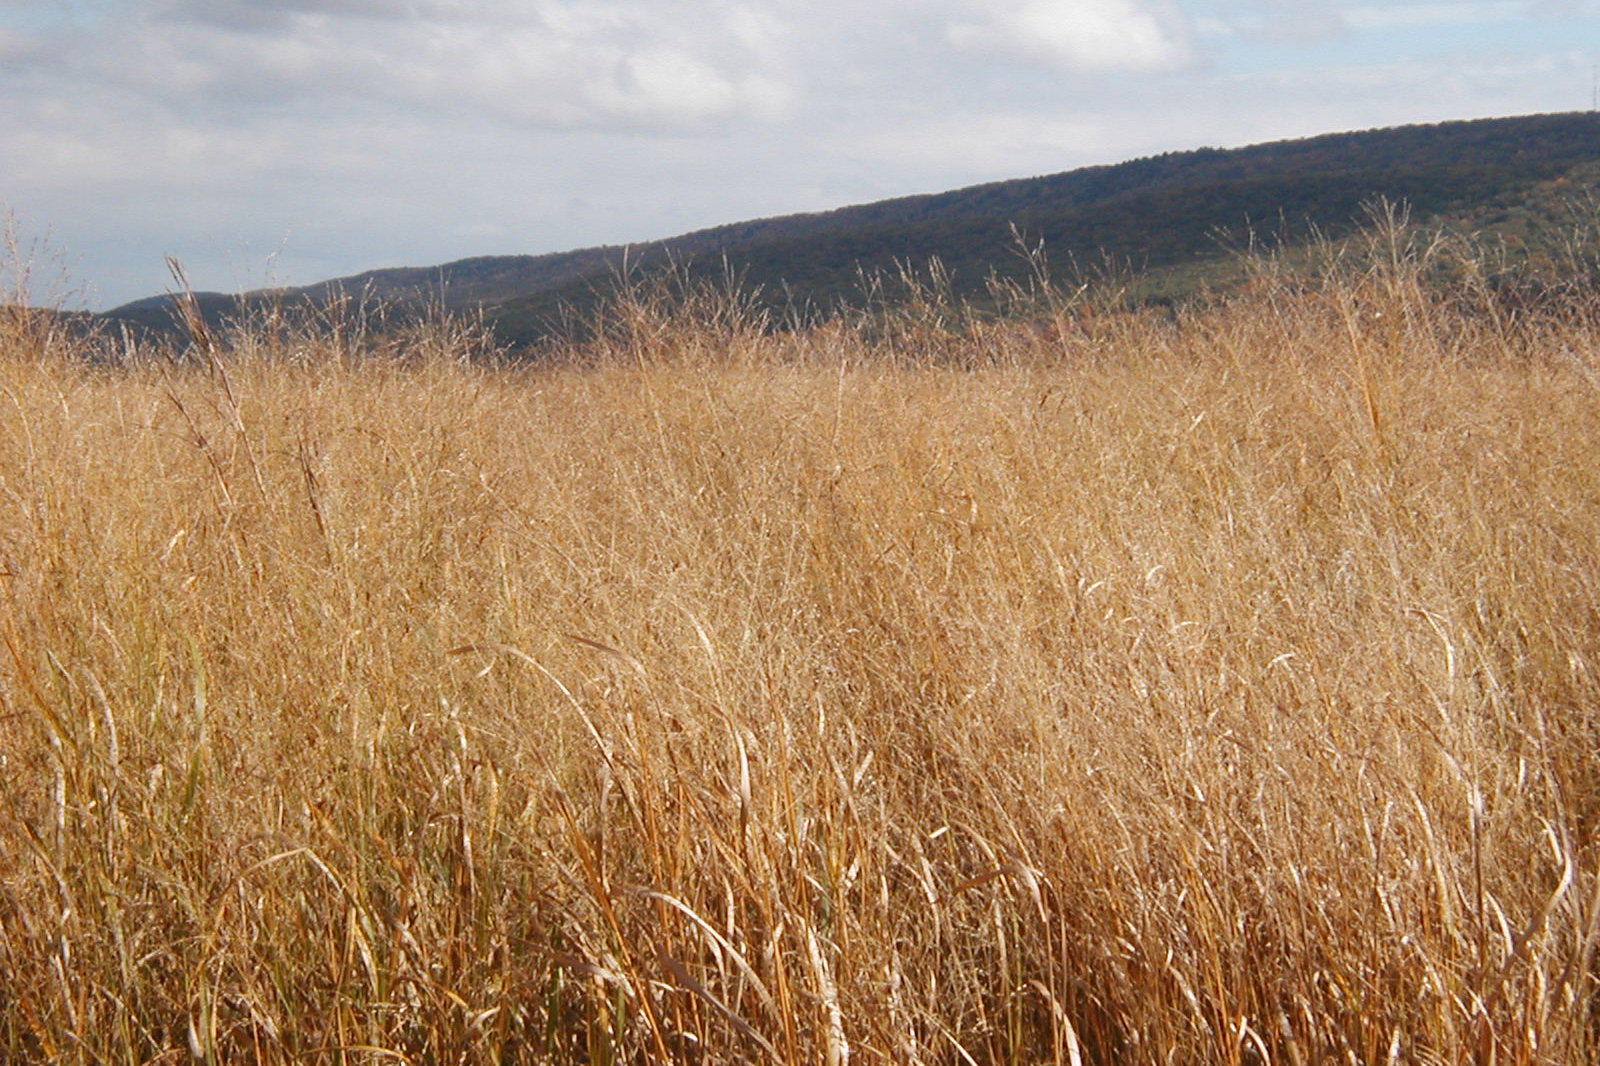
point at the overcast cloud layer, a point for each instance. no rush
(287, 141)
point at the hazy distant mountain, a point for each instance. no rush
(1162, 213)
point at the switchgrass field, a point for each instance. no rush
(1086, 688)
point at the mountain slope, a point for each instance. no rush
(1152, 214)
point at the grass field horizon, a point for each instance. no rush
(1090, 686)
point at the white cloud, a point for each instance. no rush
(672, 64)
(1097, 37)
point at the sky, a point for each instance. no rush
(283, 142)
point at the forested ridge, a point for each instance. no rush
(1174, 217)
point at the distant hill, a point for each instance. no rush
(1161, 214)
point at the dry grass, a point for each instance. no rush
(1122, 690)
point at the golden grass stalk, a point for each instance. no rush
(1093, 691)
